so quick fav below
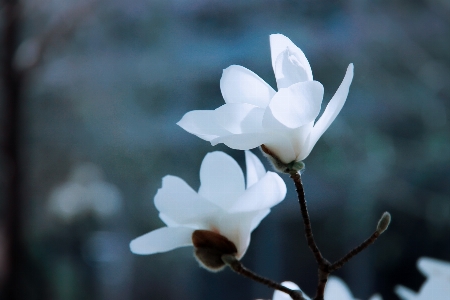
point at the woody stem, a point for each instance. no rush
(237, 266)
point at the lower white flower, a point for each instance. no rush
(336, 289)
(219, 218)
(437, 285)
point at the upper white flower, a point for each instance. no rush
(254, 114)
(336, 289)
(437, 285)
(223, 205)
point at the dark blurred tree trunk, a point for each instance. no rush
(12, 107)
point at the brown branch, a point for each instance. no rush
(304, 210)
(325, 268)
(338, 264)
(237, 266)
(323, 279)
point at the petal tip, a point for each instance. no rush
(134, 248)
(350, 67)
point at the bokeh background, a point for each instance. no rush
(104, 82)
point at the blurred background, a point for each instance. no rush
(90, 94)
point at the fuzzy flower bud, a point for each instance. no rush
(384, 222)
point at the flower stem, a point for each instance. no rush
(304, 210)
(237, 266)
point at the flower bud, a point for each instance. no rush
(209, 248)
(384, 222)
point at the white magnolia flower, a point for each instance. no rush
(437, 285)
(86, 191)
(336, 289)
(254, 114)
(220, 217)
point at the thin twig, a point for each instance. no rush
(237, 266)
(338, 264)
(304, 210)
(325, 267)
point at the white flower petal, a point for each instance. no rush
(278, 44)
(431, 267)
(168, 220)
(240, 85)
(222, 180)
(333, 108)
(405, 293)
(436, 288)
(336, 289)
(288, 70)
(162, 240)
(300, 139)
(297, 105)
(181, 204)
(376, 297)
(267, 192)
(270, 123)
(238, 227)
(280, 145)
(243, 141)
(202, 123)
(258, 218)
(240, 117)
(255, 169)
(278, 295)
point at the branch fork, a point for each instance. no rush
(325, 268)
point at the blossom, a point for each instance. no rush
(336, 289)
(254, 114)
(220, 217)
(437, 285)
(85, 192)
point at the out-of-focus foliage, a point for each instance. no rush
(107, 81)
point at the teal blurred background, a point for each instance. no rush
(106, 81)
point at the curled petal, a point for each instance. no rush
(240, 85)
(267, 192)
(279, 44)
(178, 202)
(162, 240)
(333, 108)
(297, 105)
(202, 123)
(288, 70)
(222, 180)
(255, 169)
